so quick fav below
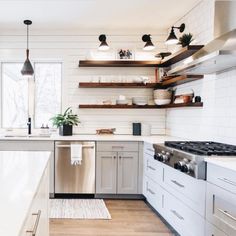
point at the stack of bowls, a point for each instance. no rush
(140, 101)
(162, 96)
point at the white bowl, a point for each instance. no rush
(162, 101)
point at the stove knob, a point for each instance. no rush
(177, 165)
(184, 168)
(165, 158)
(160, 157)
(187, 168)
(155, 157)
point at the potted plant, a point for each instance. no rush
(65, 122)
(186, 39)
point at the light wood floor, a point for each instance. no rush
(129, 218)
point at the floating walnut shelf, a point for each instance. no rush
(100, 106)
(180, 55)
(117, 85)
(166, 62)
(117, 63)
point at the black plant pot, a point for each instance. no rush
(66, 130)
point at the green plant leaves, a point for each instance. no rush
(67, 118)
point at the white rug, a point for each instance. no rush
(78, 209)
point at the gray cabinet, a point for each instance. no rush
(127, 176)
(106, 172)
(117, 168)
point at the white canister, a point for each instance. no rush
(146, 129)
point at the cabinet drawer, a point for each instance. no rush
(184, 220)
(213, 231)
(153, 193)
(153, 169)
(148, 149)
(221, 209)
(117, 146)
(190, 190)
(221, 177)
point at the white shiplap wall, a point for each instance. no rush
(69, 48)
(216, 120)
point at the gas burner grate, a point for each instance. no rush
(203, 148)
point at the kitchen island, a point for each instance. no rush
(24, 185)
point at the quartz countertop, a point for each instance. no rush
(84, 137)
(20, 175)
(225, 162)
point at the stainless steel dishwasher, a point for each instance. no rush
(74, 179)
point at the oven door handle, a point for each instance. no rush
(68, 146)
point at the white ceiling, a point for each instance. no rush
(93, 14)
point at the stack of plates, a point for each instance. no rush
(140, 101)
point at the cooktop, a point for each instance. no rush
(205, 148)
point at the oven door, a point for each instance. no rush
(221, 209)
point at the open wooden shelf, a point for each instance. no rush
(180, 55)
(176, 80)
(117, 63)
(117, 85)
(179, 79)
(168, 61)
(96, 106)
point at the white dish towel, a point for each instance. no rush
(76, 154)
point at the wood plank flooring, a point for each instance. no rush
(129, 218)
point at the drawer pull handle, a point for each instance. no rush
(150, 191)
(177, 215)
(117, 147)
(34, 231)
(177, 183)
(227, 214)
(227, 181)
(150, 167)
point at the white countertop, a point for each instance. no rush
(84, 137)
(20, 175)
(225, 162)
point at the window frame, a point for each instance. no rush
(31, 93)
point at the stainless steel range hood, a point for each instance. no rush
(219, 54)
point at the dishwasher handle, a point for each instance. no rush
(68, 146)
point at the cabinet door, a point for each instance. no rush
(127, 173)
(106, 171)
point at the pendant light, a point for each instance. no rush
(103, 46)
(27, 70)
(172, 39)
(148, 42)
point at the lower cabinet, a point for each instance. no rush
(154, 194)
(37, 221)
(117, 172)
(183, 219)
(213, 231)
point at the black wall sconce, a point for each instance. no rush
(172, 39)
(103, 46)
(148, 42)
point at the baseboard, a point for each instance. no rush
(120, 196)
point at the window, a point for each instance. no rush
(39, 98)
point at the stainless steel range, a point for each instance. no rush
(188, 157)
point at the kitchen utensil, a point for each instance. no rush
(140, 101)
(105, 131)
